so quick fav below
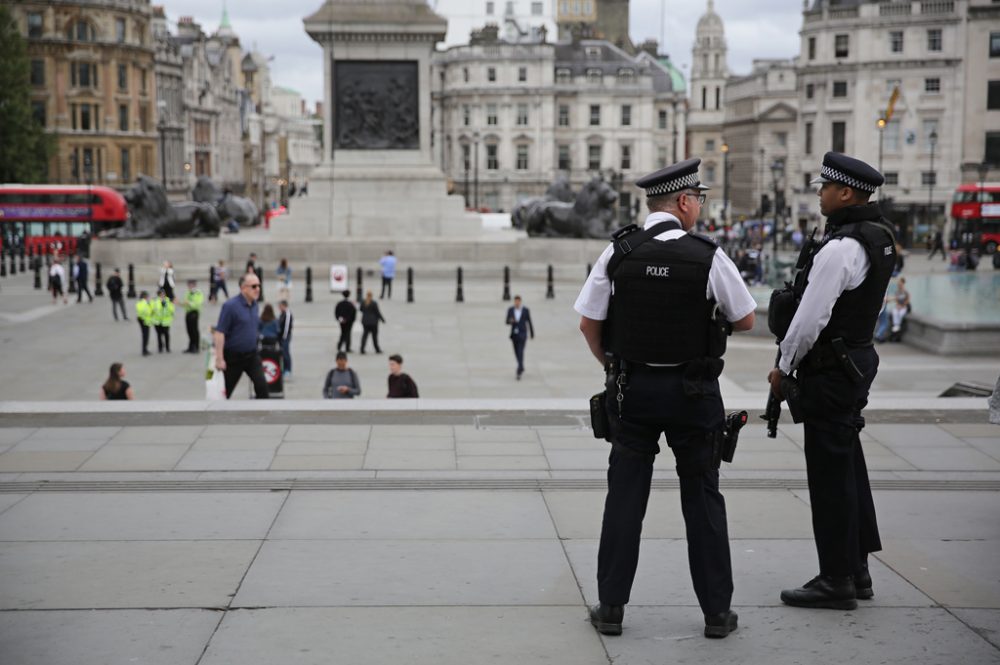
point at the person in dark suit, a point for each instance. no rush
(345, 313)
(81, 272)
(519, 320)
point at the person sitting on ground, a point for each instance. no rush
(268, 329)
(116, 387)
(900, 309)
(400, 384)
(341, 382)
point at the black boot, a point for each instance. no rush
(721, 624)
(607, 619)
(863, 583)
(823, 591)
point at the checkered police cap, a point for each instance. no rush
(675, 178)
(849, 171)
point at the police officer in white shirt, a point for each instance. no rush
(648, 310)
(829, 345)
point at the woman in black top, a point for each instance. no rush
(370, 316)
(116, 387)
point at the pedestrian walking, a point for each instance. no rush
(345, 312)
(285, 325)
(370, 318)
(937, 245)
(267, 327)
(166, 281)
(341, 382)
(81, 273)
(116, 387)
(194, 300)
(115, 287)
(828, 345)
(235, 338)
(648, 315)
(144, 315)
(284, 273)
(219, 274)
(388, 265)
(252, 263)
(519, 320)
(400, 384)
(163, 318)
(57, 277)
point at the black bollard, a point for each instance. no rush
(211, 278)
(459, 295)
(69, 273)
(48, 260)
(409, 285)
(309, 284)
(550, 292)
(506, 282)
(38, 272)
(13, 261)
(98, 290)
(3, 263)
(359, 284)
(131, 282)
(257, 271)
(24, 266)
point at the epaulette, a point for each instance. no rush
(624, 231)
(704, 238)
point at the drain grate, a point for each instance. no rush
(968, 389)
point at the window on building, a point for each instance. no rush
(37, 72)
(123, 117)
(38, 112)
(595, 76)
(891, 85)
(781, 138)
(811, 48)
(932, 85)
(626, 115)
(704, 98)
(120, 30)
(838, 133)
(86, 118)
(465, 74)
(626, 75)
(662, 119)
(466, 156)
(522, 114)
(709, 145)
(564, 75)
(492, 158)
(891, 178)
(83, 74)
(142, 81)
(522, 74)
(809, 138)
(891, 136)
(626, 157)
(810, 90)
(489, 9)
(522, 157)
(88, 163)
(993, 95)
(710, 174)
(491, 74)
(718, 98)
(34, 25)
(840, 88)
(928, 178)
(466, 115)
(595, 115)
(564, 161)
(536, 9)
(80, 31)
(661, 157)
(509, 11)
(123, 77)
(126, 166)
(995, 44)
(992, 155)
(594, 157)
(144, 117)
(929, 126)
(491, 114)
(896, 41)
(807, 181)
(564, 115)
(934, 39)
(841, 46)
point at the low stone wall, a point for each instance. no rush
(947, 338)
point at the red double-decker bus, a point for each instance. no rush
(976, 211)
(50, 218)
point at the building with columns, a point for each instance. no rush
(170, 121)
(517, 20)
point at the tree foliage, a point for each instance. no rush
(24, 147)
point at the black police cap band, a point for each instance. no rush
(845, 170)
(674, 178)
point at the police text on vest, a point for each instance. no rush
(657, 271)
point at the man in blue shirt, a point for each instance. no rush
(388, 263)
(236, 338)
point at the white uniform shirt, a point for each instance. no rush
(841, 265)
(725, 285)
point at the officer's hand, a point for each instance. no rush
(220, 364)
(774, 378)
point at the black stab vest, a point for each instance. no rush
(659, 313)
(856, 310)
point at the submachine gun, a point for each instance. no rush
(780, 312)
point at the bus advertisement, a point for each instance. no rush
(975, 209)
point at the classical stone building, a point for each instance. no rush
(510, 118)
(93, 89)
(170, 124)
(517, 20)
(981, 135)
(595, 19)
(298, 145)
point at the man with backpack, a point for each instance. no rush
(342, 381)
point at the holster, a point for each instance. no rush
(793, 397)
(700, 375)
(599, 421)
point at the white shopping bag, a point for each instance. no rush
(215, 385)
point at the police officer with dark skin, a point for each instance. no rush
(829, 346)
(646, 312)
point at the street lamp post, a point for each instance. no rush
(465, 157)
(777, 171)
(881, 133)
(930, 184)
(161, 127)
(763, 185)
(725, 183)
(475, 168)
(984, 170)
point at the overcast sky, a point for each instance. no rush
(759, 29)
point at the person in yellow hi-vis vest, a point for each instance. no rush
(194, 300)
(144, 315)
(163, 318)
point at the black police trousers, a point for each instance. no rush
(654, 402)
(840, 496)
